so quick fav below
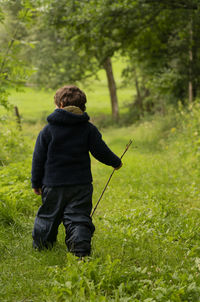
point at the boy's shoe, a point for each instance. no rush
(82, 254)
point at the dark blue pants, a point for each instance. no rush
(71, 205)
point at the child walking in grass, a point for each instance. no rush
(61, 173)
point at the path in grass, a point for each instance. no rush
(146, 243)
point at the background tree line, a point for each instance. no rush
(52, 42)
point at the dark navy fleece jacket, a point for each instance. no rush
(61, 155)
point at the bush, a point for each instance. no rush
(15, 191)
(13, 145)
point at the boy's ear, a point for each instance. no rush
(59, 107)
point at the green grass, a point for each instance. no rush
(35, 105)
(146, 246)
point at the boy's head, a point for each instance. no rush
(70, 96)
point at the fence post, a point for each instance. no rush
(18, 117)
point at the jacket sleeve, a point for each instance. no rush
(100, 150)
(39, 159)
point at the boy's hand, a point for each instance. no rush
(119, 166)
(37, 191)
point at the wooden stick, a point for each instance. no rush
(126, 149)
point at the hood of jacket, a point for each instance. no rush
(60, 116)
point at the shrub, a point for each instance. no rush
(13, 145)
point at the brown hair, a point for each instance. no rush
(70, 96)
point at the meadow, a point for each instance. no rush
(146, 246)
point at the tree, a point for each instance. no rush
(80, 24)
(13, 70)
(100, 28)
(166, 53)
(54, 59)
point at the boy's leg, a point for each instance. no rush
(77, 220)
(48, 218)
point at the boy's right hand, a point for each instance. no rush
(119, 166)
(37, 191)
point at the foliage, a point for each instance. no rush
(165, 55)
(81, 23)
(157, 39)
(15, 16)
(14, 180)
(12, 141)
(55, 62)
(71, 42)
(16, 202)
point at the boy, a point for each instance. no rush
(61, 173)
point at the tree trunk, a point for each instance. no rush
(139, 100)
(190, 84)
(112, 88)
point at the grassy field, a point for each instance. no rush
(146, 246)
